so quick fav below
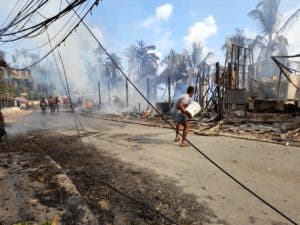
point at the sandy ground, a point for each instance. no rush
(272, 171)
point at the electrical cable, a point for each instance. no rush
(36, 29)
(77, 121)
(56, 35)
(150, 104)
(60, 42)
(196, 148)
(61, 29)
(15, 6)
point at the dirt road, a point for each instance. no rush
(201, 194)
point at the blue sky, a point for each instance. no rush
(175, 23)
(166, 24)
(124, 22)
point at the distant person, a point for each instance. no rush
(180, 115)
(43, 105)
(2, 131)
(51, 103)
(56, 104)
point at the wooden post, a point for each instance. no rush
(148, 90)
(244, 69)
(169, 90)
(219, 107)
(200, 87)
(108, 88)
(139, 107)
(237, 69)
(99, 92)
(231, 71)
(279, 82)
(127, 98)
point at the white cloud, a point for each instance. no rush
(159, 33)
(201, 30)
(162, 13)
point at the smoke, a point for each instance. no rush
(34, 121)
(74, 53)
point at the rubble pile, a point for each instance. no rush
(286, 133)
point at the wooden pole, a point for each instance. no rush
(99, 92)
(108, 88)
(127, 97)
(237, 71)
(219, 107)
(231, 67)
(279, 82)
(199, 85)
(169, 90)
(148, 90)
(244, 69)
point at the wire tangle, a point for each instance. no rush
(18, 27)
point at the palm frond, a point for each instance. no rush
(291, 20)
(259, 41)
(260, 16)
(209, 55)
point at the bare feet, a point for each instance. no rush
(184, 144)
(177, 139)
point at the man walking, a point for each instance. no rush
(56, 104)
(43, 105)
(180, 115)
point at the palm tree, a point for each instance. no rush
(267, 13)
(132, 61)
(111, 70)
(143, 64)
(142, 60)
(197, 54)
(182, 66)
(147, 60)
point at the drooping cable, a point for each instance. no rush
(61, 41)
(236, 180)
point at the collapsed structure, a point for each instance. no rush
(12, 81)
(231, 96)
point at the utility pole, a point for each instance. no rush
(169, 90)
(99, 91)
(148, 91)
(127, 99)
(218, 80)
(108, 88)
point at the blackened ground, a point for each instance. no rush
(99, 177)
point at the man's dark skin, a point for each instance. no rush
(185, 123)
